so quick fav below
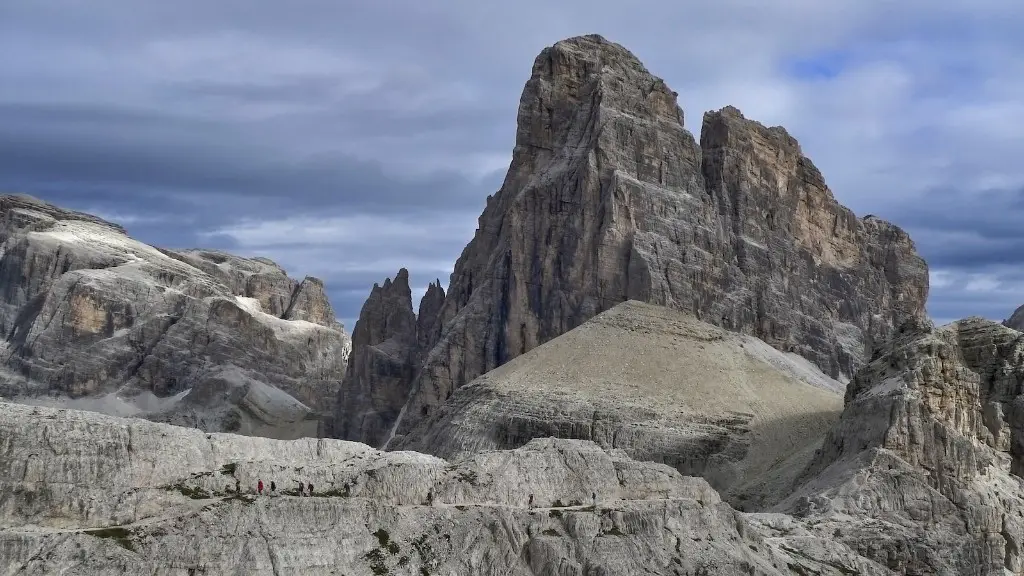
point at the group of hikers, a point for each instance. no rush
(304, 490)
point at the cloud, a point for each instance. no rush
(347, 139)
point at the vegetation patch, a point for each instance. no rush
(550, 532)
(376, 558)
(118, 534)
(385, 541)
(195, 493)
(228, 469)
(424, 551)
(468, 476)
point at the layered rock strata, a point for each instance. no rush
(663, 387)
(92, 318)
(923, 472)
(82, 493)
(609, 198)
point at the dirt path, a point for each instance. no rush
(209, 504)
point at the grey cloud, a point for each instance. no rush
(203, 164)
(90, 118)
(947, 304)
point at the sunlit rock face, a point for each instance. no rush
(94, 319)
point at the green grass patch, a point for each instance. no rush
(195, 493)
(116, 533)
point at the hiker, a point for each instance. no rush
(594, 496)
(531, 500)
(310, 488)
(238, 486)
(259, 487)
(430, 497)
(273, 487)
(302, 489)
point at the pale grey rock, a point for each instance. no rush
(660, 385)
(922, 473)
(92, 318)
(82, 493)
(609, 198)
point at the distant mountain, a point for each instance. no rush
(609, 198)
(91, 318)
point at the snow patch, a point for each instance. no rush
(250, 305)
(100, 238)
(282, 328)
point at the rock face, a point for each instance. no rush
(923, 471)
(663, 387)
(1016, 320)
(609, 198)
(196, 337)
(920, 475)
(384, 343)
(82, 493)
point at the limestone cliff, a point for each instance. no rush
(82, 493)
(92, 318)
(609, 198)
(923, 472)
(920, 475)
(384, 344)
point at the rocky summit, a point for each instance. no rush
(94, 319)
(609, 198)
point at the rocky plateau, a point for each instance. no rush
(91, 318)
(920, 474)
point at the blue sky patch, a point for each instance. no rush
(820, 66)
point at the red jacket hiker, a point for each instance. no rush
(259, 487)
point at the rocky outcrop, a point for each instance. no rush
(82, 493)
(1016, 320)
(92, 318)
(923, 471)
(427, 327)
(920, 475)
(609, 198)
(384, 344)
(663, 387)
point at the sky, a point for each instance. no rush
(346, 139)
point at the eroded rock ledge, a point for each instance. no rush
(82, 493)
